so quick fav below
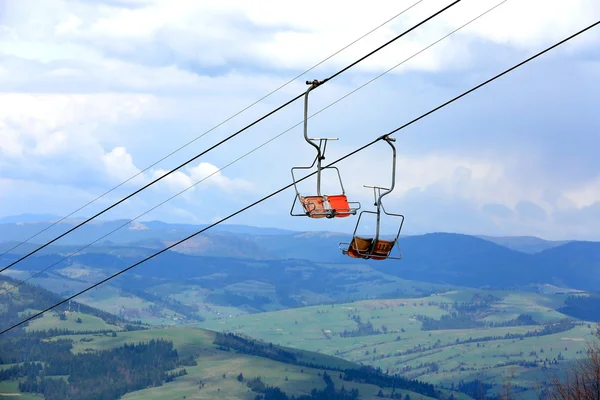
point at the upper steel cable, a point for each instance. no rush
(226, 139)
(306, 177)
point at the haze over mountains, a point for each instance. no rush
(440, 258)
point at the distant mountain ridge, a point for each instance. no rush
(526, 244)
(440, 258)
(20, 227)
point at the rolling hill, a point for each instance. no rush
(445, 339)
(575, 264)
(237, 270)
(525, 244)
(260, 282)
(89, 354)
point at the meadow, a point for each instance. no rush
(216, 373)
(432, 331)
(388, 334)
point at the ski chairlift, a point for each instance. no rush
(375, 248)
(319, 205)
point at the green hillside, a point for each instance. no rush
(368, 325)
(186, 294)
(442, 339)
(216, 373)
(75, 354)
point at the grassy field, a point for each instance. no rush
(187, 341)
(10, 390)
(219, 371)
(210, 292)
(196, 295)
(402, 347)
(215, 376)
(114, 301)
(385, 333)
(52, 320)
(540, 307)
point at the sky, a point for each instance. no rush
(93, 92)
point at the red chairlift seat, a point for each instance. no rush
(313, 205)
(339, 203)
(321, 206)
(334, 206)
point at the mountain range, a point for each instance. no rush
(439, 258)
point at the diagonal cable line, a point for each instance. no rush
(216, 126)
(227, 138)
(256, 148)
(306, 177)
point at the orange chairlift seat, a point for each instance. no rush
(319, 205)
(326, 206)
(376, 248)
(360, 247)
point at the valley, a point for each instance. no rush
(185, 362)
(458, 312)
(441, 339)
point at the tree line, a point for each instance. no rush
(107, 374)
(586, 308)
(16, 303)
(267, 392)
(363, 374)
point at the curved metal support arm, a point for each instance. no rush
(389, 141)
(378, 195)
(320, 157)
(379, 205)
(377, 189)
(313, 85)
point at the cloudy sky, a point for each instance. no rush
(92, 92)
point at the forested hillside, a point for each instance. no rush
(90, 354)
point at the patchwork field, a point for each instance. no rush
(388, 334)
(10, 390)
(447, 335)
(213, 366)
(216, 375)
(208, 295)
(73, 321)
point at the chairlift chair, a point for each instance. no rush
(319, 205)
(375, 248)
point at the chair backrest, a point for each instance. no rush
(313, 205)
(360, 246)
(339, 203)
(382, 249)
(357, 245)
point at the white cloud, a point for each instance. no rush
(37, 115)
(207, 174)
(62, 138)
(163, 34)
(535, 23)
(461, 193)
(176, 181)
(215, 177)
(585, 195)
(479, 180)
(119, 164)
(102, 89)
